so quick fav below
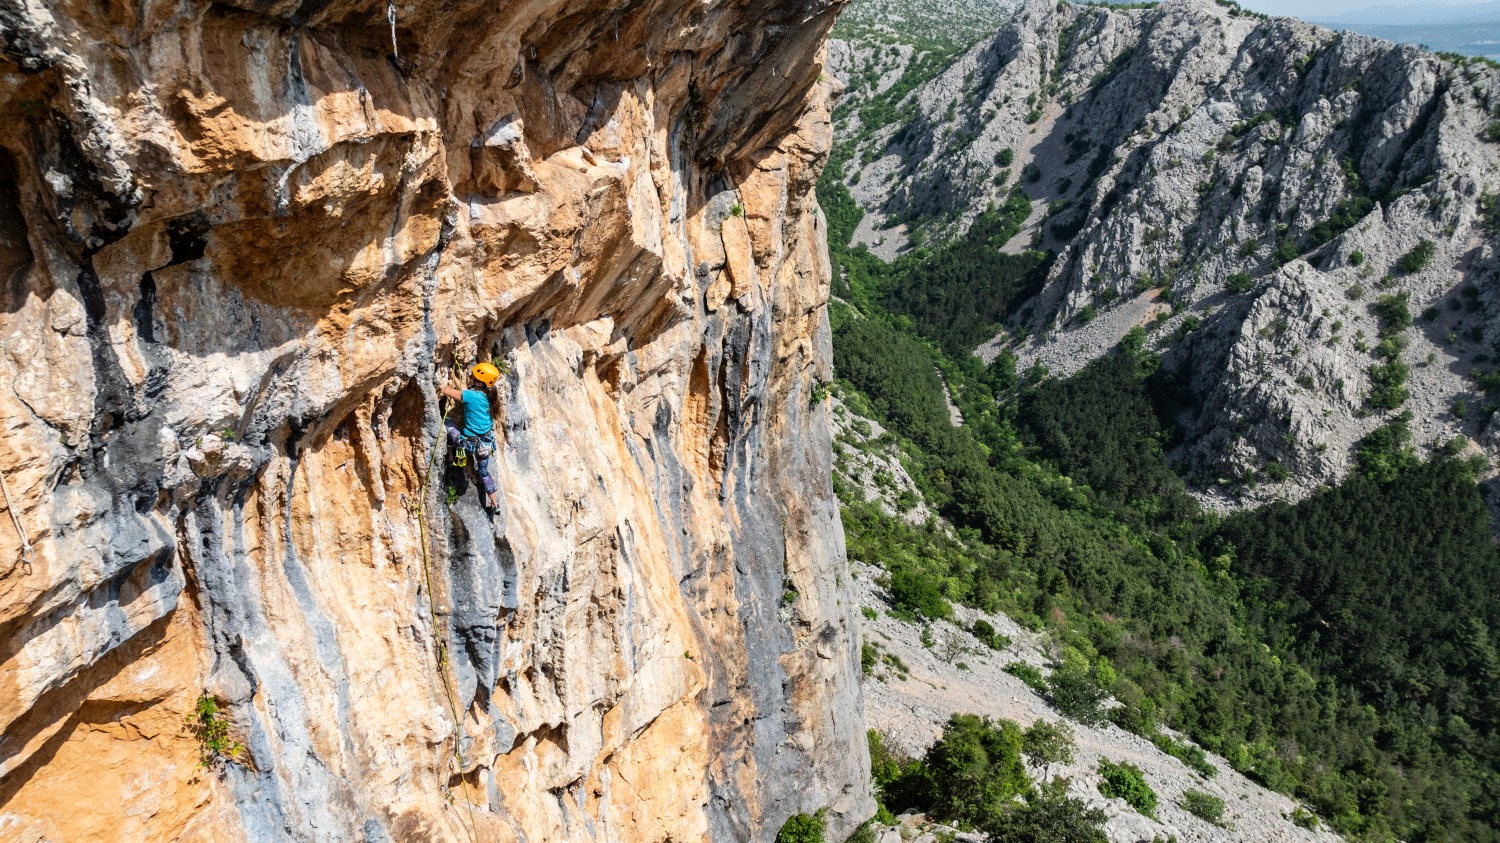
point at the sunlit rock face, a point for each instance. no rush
(240, 243)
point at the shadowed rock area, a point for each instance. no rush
(239, 243)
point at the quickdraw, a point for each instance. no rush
(27, 554)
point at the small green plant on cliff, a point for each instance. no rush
(1240, 282)
(1489, 211)
(802, 828)
(1394, 313)
(209, 725)
(450, 496)
(1304, 819)
(819, 394)
(737, 210)
(788, 592)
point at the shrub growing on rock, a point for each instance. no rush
(1204, 806)
(1028, 674)
(988, 636)
(1124, 781)
(211, 727)
(802, 828)
(901, 783)
(1049, 815)
(1046, 744)
(1419, 258)
(1394, 313)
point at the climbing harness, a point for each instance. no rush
(27, 555)
(481, 446)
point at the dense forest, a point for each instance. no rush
(1341, 649)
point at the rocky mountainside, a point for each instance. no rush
(1273, 201)
(241, 242)
(882, 49)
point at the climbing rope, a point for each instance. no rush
(443, 648)
(27, 555)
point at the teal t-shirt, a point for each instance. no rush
(476, 413)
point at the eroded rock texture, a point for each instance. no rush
(239, 240)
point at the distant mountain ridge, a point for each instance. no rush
(1264, 179)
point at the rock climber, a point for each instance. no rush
(470, 429)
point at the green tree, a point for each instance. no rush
(915, 591)
(976, 769)
(1049, 815)
(1075, 693)
(1045, 744)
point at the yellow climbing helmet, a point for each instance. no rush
(486, 373)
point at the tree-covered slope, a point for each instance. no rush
(1308, 644)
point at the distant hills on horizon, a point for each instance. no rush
(1471, 29)
(1415, 14)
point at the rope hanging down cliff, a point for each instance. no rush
(445, 670)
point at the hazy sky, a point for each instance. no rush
(1323, 8)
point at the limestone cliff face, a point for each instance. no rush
(239, 242)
